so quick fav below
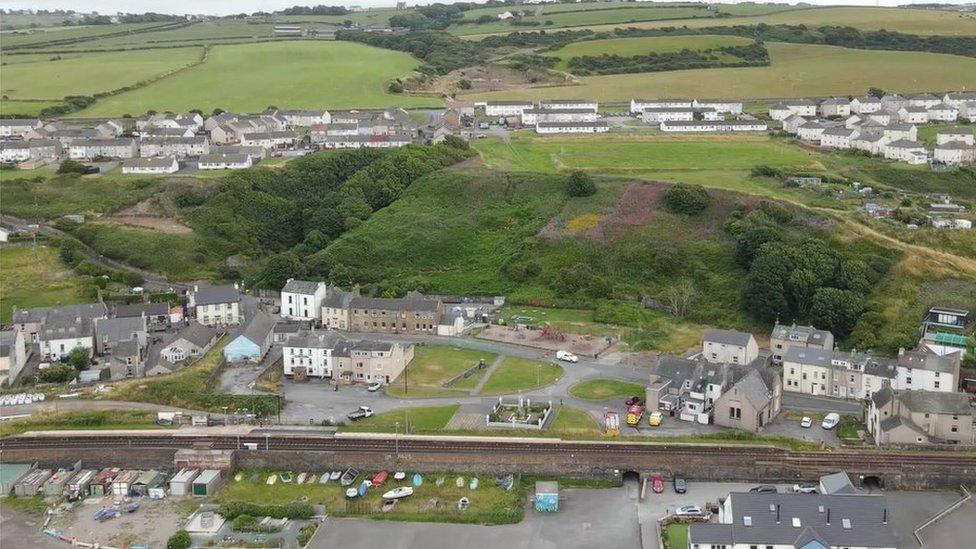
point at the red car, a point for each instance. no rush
(657, 483)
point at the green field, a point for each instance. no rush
(25, 108)
(41, 37)
(559, 18)
(605, 389)
(35, 277)
(911, 21)
(642, 46)
(432, 366)
(215, 31)
(521, 374)
(86, 420)
(90, 73)
(796, 70)
(249, 77)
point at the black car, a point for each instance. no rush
(764, 489)
(91, 170)
(680, 486)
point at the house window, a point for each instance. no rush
(936, 384)
(735, 413)
(908, 381)
(955, 429)
(792, 371)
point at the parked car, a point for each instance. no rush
(764, 489)
(805, 488)
(566, 356)
(657, 483)
(830, 420)
(634, 400)
(655, 419)
(689, 511)
(91, 169)
(375, 386)
(362, 412)
(680, 486)
(806, 422)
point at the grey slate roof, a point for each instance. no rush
(956, 130)
(148, 162)
(197, 334)
(43, 314)
(64, 328)
(223, 158)
(906, 144)
(211, 295)
(837, 483)
(840, 130)
(413, 301)
(933, 402)
(305, 287)
(807, 334)
(855, 521)
(333, 340)
(727, 337)
(259, 327)
(824, 358)
(926, 361)
(158, 308)
(754, 389)
(114, 330)
(7, 338)
(596, 124)
(338, 299)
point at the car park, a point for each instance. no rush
(689, 511)
(566, 356)
(680, 486)
(764, 489)
(657, 483)
(806, 422)
(805, 488)
(830, 420)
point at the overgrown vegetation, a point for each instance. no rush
(754, 55)
(441, 52)
(85, 420)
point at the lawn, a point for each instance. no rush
(605, 389)
(35, 277)
(675, 536)
(573, 423)
(521, 374)
(927, 132)
(576, 321)
(642, 46)
(90, 73)
(796, 70)
(175, 256)
(85, 420)
(294, 74)
(489, 503)
(410, 420)
(433, 365)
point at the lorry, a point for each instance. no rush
(634, 414)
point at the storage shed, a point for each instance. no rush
(79, 483)
(11, 474)
(147, 480)
(31, 484)
(123, 482)
(547, 496)
(58, 482)
(207, 483)
(101, 483)
(182, 483)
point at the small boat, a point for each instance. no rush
(399, 492)
(505, 482)
(272, 479)
(335, 475)
(474, 483)
(399, 475)
(311, 478)
(459, 482)
(363, 488)
(417, 479)
(286, 476)
(238, 477)
(463, 504)
(132, 507)
(255, 477)
(348, 477)
(380, 478)
(324, 479)
(352, 493)
(439, 482)
(301, 478)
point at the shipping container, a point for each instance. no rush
(122, 485)
(182, 483)
(101, 484)
(207, 483)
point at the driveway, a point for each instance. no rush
(798, 401)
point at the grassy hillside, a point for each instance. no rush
(250, 77)
(50, 77)
(35, 277)
(795, 70)
(644, 46)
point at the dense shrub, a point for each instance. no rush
(71, 166)
(685, 199)
(180, 540)
(57, 373)
(234, 509)
(579, 184)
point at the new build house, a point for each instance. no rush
(150, 166)
(572, 127)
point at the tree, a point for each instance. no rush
(680, 297)
(57, 373)
(79, 357)
(71, 166)
(876, 92)
(836, 310)
(179, 540)
(279, 268)
(395, 87)
(580, 184)
(218, 110)
(456, 142)
(685, 199)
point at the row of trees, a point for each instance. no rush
(441, 52)
(753, 55)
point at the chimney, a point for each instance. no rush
(777, 513)
(828, 516)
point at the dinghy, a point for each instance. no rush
(335, 475)
(286, 476)
(364, 488)
(324, 478)
(459, 482)
(272, 479)
(238, 477)
(505, 482)
(352, 493)
(474, 483)
(417, 479)
(348, 477)
(301, 478)
(311, 478)
(399, 492)
(399, 475)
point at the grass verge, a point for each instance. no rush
(605, 389)
(86, 420)
(521, 374)
(411, 420)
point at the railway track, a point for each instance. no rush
(502, 447)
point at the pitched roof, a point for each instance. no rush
(753, 388)
(119, 329)
(927, 361)
(837, 483)
(956, 130)
(906, 144)
(336, 298)
(727, 337)
(197, 334)
(43, 314)
(150, 162)
(413, 301)
(224, 158)
(934, 402)
(259, 327)
(158, 308)
(211, 295)
(305, 287)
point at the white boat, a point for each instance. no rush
(272, 479)
(474, 483)
(301, 479)
(459, 482)
(311, 478)
(324, 478)
(352, 493)
(238, 477)
(399, 475)
(335, 475)
(400, 492)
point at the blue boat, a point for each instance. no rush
(417, 479)
(363, 488)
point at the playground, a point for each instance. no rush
(547, 337)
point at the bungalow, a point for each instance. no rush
(960, 134)
(561, 104)
(148, 166)
(905, 150)
(811, 131)
(224, 161)
(954, 153)
(729, 346)
(835, 107)
(507, 108)
(216, 305)
(270, 140)
(919, 417)
(838, 138)
(18, 127)
(302, 299)
(179, 147)
(913, 115)
(253, 342)
(714, 126)
(531, 117)
(924, 100)
(86, 149)
(14, 152)
(792, 123)
(572, 127)
(191, 342)
(256, 153)
(943, 113)
(656, 115)
(865, 104)
(720, 105)
(365, 141)
(637, 106)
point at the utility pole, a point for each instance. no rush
(396, 440)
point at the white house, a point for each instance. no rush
(224, 161)
(810, 131)
(729, 346)
(656, 115)
(792, 123)
(148, 166)
(18, 127)
(59, 336)
(881, 117)
(838, 138)
(893, 102)
(86, 149)
(956, 99)
(780, 111)
(572, 127)
(924, 100)
(720, 105)
(302, 299)
(920, 371)
(531, 117)
(311, 352)
(894, 132)
(506, 15)
(871, 141)
(714, 126)
(216, 305)
(270, 140)
(13, 355)
(180, 147)
(570, 104)
(835, 106)
(12, 152)
(802, 107)
(954, 153)
(305, 118)
(910, 114)
(943, 113)
(506, 108)
(865, 104)
(638, 105)
(964, 135)
(905, 150)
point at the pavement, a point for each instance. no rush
(955, 530)
(910, 509)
